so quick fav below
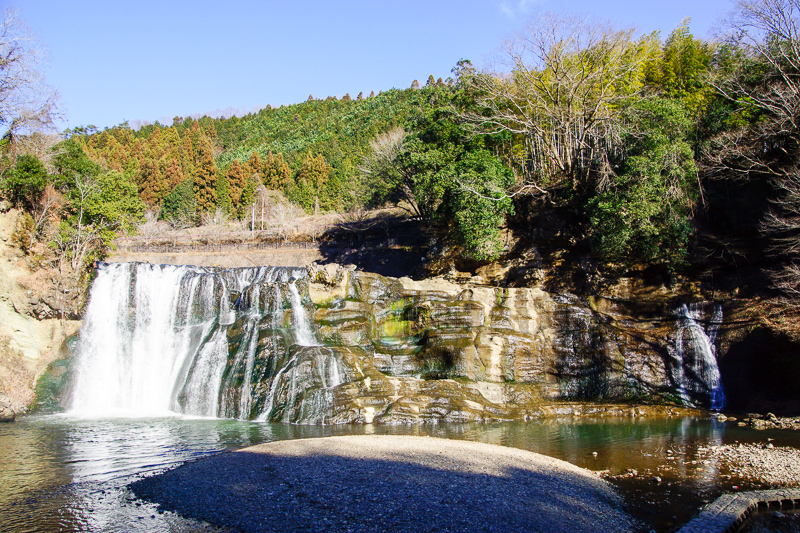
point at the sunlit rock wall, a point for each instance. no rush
(331, 345)
(439, 349)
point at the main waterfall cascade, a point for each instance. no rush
(250, 344)
(163, 339)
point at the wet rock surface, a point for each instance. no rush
(437, 349)
(382, 483)
(770, 421)
(374, 349)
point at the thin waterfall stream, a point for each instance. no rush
(697, 370)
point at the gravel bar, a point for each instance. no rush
(763, 463)
(387, 483)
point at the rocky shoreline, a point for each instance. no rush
(765, 421)
(761, 463)
(668, 487)
(7, 414)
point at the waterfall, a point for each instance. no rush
(162, 339)
(302, 328)
(696, 372)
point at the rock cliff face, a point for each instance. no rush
(439, 349)
(333, 345)
(34, 320)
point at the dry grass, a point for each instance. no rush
(279, 220)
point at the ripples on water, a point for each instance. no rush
(60, 473)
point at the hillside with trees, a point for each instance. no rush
(667, 153)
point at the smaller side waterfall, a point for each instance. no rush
(696, 372)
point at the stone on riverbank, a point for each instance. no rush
(764, 463)
(7, 414)
(770, 421)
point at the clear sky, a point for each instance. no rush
(146, 60)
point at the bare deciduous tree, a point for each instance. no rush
(152, 227)
(75, 243)
(386, 174)
(759, 70)
(48, 206)
(385, 149)
(566, 77)
(40, 145)
(27, 104)
(782, 228)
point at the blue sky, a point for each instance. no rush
(146, 60)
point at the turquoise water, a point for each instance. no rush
(60, 473)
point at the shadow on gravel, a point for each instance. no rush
(252, 492)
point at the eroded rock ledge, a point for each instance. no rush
(434, 349)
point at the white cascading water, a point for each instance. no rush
(250, 302)
(286, 381)
(302, 328)
(155, 339)
(129, 353)
(695, 351)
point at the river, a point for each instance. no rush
(62, 473)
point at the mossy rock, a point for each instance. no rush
(52, 387)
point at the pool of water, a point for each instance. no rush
(59, 473)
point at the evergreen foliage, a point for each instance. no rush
(444, 176)
(179, 206)
(26, 182)
(236, 182)
(645, 215)
(624, 131)
(275, 172)
(205, 180)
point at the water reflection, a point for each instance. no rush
(70, 474)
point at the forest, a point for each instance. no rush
(663, 150)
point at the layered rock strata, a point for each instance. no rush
(433, 349)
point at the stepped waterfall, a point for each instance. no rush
(249, 344)
(161, 339)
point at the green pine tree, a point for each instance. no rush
(205, 179)
(237, 180)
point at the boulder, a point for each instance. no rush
(7, 414)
